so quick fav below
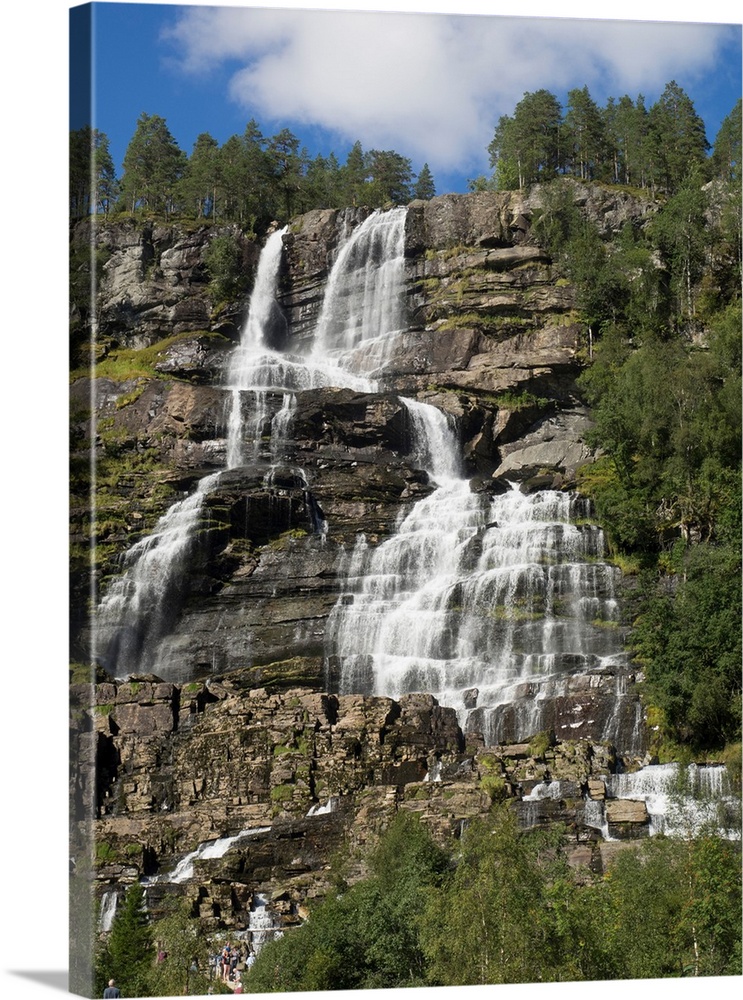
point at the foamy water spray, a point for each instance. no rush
(490, 604)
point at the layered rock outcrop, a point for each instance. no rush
(284, 777)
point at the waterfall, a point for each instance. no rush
(185, 868)
(363, 305)
(256, 364)
(323, 810)
(362, 310)
(492, 605)
(497, 601)
(435, 446)
(142, 603)
(263, 924)
(682, 801)
(109, 902)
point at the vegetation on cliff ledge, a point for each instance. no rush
(503, 906)
(498, 906)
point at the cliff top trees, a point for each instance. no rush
(287, 166)
(250, 179)
(92, 177)
(525, 149)
(623, 142)
(677, 138)
(626, 138)
(152, 165)
(424, 187)
(198, 186)
(726, 152)
(390, 176)
(584, 142)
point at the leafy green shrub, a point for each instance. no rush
(224, 264)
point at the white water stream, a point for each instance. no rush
(681, 801)
(362, 306)
(263, 925)
(141, 604)
(475, 598)
(109, 903)
(185, 869)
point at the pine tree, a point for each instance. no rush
(626, 135)
(584, 141)
(130, 944)
(232, 180)
(424, 188)
(390, 175)
(198, 186)
(91, 175)
(726, 152)
(153, 163)
(354, 176)
(287, 170)
(526, 148)
(677, 136)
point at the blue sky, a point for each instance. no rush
(429, 85)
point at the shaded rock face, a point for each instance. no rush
(154, 279)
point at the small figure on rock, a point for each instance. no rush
(111, 991)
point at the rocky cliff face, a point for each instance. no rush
(492, 338)
(241, 732)
(283, 777)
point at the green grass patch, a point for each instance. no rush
(104, 851)
(280, 793)
(495, 786)
(127, 363)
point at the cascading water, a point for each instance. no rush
(185, 869)
(488, 604)
(109, 903)
(256, 364)
(362, 310)
(362, 305)
(263, 925)
(142, 604)
(681, 801)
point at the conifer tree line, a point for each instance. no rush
(251, 179)
(651, 148)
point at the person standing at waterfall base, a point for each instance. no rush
(225, 962)
(111, 991)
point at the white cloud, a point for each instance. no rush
(428, 85)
